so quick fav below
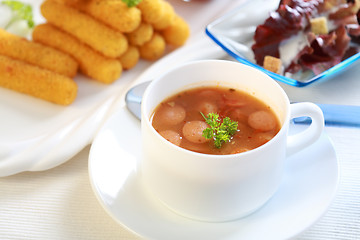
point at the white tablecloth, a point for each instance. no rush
(60, 204)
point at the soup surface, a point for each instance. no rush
(179, 119)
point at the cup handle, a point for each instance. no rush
(301, 140)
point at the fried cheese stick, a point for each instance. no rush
(167, 18)
(97, 35)
(153, 49)
(91, 63)
(114, 13)
(130, 58)
(140, 35)
(177, 33)
(152, 10)
(37, 54)
(35, 81)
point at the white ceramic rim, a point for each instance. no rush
(152, 85)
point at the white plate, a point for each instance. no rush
(36, 135)
(309, 185)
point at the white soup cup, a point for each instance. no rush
(219, 188)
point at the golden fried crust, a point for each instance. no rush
(177, 33)
(35, 81)
(130, 58)
(37, 54)
(99, 36)
(167, 18)
(91, 63)
(114, 13)
(153, 49)
(141, 35)
(152, 10)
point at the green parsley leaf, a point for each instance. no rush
(219, 131)
(22, 11)
(131, 3)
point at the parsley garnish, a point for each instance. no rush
(21, 11)
(131, 3)
(219, 131)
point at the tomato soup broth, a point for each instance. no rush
(179, 120)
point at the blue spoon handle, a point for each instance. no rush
(337, 115)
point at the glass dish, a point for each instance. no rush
(234, 33)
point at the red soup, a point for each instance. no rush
(181, 119)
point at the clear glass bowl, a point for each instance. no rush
(234, 33)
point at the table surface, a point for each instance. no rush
(59, 203)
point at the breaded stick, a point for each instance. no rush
(130, 58)
(152, 10)
(177, 33)
(114, 13)
(167, 18)
(102, 38)
(35, 81)
(91, 63)
(141, 35)
(153, 49)
(37, 54)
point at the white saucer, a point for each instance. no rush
(309, 185)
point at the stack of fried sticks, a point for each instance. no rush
(101, 38)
